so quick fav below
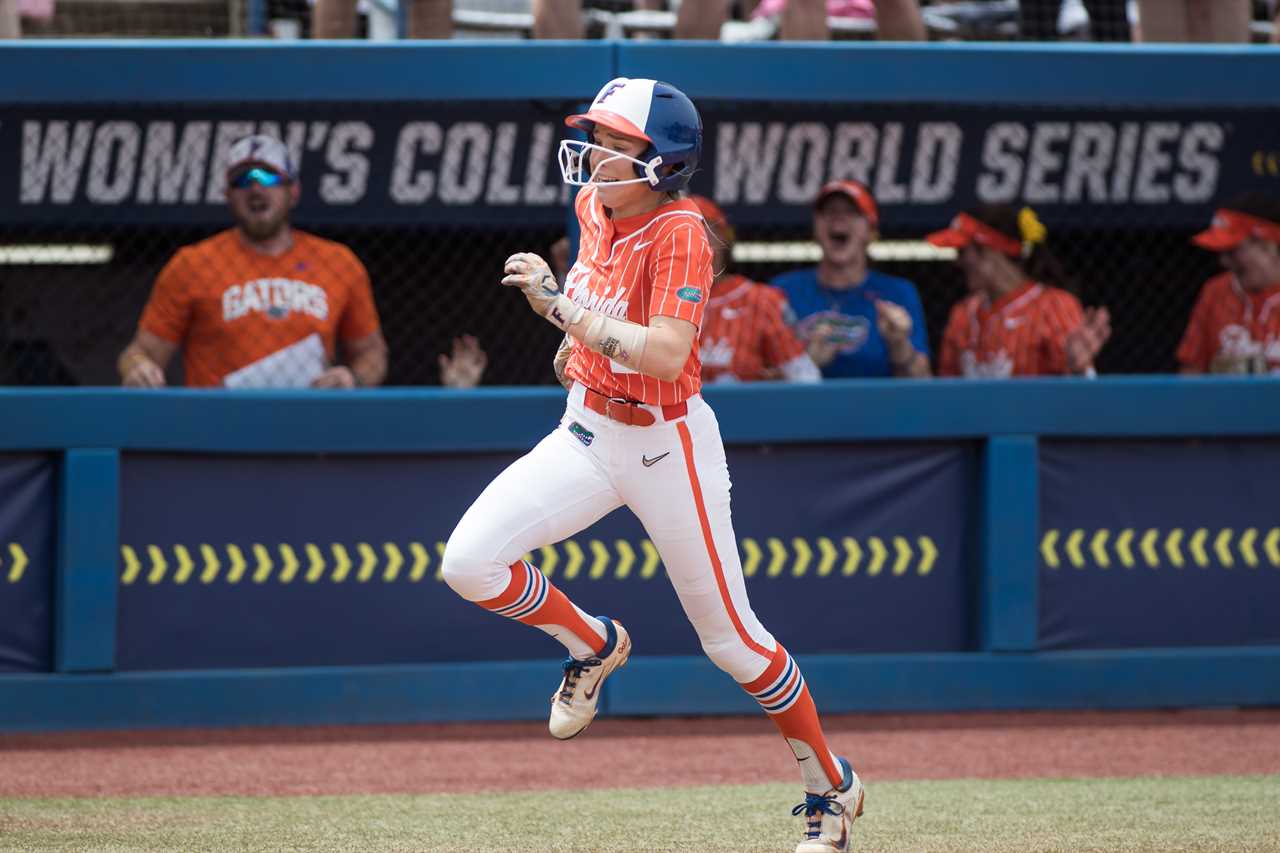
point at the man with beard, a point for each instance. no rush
(856, 321)
(260, 305)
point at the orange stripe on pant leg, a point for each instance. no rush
(686, 442)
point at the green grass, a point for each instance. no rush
(1226, 814)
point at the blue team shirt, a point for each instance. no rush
(863, 352)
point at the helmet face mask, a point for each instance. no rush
(651, 110)
(575, 165)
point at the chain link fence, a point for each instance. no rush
(65, 319)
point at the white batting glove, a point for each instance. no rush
(533, 276)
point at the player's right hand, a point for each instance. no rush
(530, 273)
(533, 276)
(144, 373)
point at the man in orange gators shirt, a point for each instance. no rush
(1235, 326)
(746, 335)
(260, 305)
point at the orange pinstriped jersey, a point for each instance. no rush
(1023, 333)
(1234, 323)
(656, 264)
(745, 335)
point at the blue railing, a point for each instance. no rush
(90, 428)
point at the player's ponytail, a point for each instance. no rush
(1023, 225)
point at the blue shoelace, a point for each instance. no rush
(813, 807)
(573, 670)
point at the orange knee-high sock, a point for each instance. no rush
(784, 696)
(532, 599)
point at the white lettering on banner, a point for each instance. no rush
(52, 162)
(999, 185)
(226, 133)
(408, 186)
(170, 176)
(806, 149)
(751, 158)
(757, 163)
(504, 148)
(748, 156)
(1022, 163)
(114, 161)
(1091, 150)
(350, 185)
(536, 188)
(886, 191)
(1123, 177)
(294, 136)
(937, 162)
(1045, 162)
(462, 169)
(853, 152)
(476, 162)
(1199, 180)
(277, 297)
(1154, 163)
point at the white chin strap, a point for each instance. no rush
(575, 159)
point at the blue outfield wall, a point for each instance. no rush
(1007, 661)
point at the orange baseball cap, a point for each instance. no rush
(1230, 228)
(859, 194)
(964, 229)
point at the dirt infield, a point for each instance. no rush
(629, 753)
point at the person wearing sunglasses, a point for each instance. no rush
(261, 304)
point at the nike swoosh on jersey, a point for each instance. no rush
(648, 463)
(638, 246)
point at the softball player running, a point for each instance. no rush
(636, 432)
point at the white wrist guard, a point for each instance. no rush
(617, 340)
(563, 312)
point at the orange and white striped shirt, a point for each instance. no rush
(1023, 333)
(655, 264)
(1242, 326)
(745, 335)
